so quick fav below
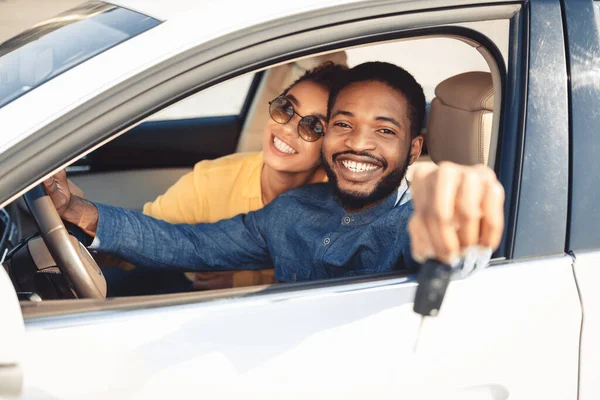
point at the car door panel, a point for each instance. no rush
(512, 331)
(143, 163)
(582, 19)
(509, 327)
(12, 334)
(587, 270)
(174, 143)
(240, 345)
(355, 338)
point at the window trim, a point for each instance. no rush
(187, 75)
(101, 120)
(582, 41)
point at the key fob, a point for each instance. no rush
(433, 281)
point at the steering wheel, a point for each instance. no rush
(72, 259)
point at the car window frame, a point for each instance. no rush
(582, 37)
(285, 48)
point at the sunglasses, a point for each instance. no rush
(310, 128)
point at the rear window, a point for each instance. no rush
(58, 44)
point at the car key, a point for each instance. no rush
(432, 281)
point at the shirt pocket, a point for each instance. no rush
(290, 271)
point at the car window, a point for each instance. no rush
(186, 132)
(226, 98)
(60, 43)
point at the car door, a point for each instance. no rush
(12, 334)
(355, 337)
(515, 327)
(149, 158)
(583, 34)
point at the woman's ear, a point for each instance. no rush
(416, 146)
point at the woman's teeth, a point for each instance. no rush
(282, 147)
(358, 166)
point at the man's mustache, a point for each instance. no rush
(379, 160)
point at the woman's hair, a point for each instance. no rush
(327, 75)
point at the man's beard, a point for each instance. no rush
(355, 200)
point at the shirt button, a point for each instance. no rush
(347, 220)
(326, 241)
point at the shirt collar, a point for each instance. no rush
(404, 195)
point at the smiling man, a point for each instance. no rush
(373, 134)
(356, 224)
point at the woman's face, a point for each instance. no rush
(284, 150)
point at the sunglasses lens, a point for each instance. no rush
(281, 110)
(310, 128)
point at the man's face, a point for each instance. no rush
(367, 146)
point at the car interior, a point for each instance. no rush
(461, 80)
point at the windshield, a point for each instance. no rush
(58, 44)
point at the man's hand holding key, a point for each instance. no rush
(459, 214)
(456, 207)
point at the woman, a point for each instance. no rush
(243, 182)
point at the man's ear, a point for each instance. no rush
(416, 146)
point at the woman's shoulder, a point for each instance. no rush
(236, 161)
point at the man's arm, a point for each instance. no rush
(232, 244)
(456, 207)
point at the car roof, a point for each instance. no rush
(166, 10)
(186, 24)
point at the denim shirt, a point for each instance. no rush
(304, 234)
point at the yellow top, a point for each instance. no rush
(214, 190)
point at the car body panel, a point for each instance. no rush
(587, 271)
(12, 337)
(582, 19)
(511, 331)
(583, 33)
(350, 339)
(546, 147)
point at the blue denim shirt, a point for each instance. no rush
(304, 233)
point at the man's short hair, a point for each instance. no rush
(393, 76)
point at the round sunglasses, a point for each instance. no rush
(310, 128)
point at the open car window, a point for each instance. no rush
(50, 48)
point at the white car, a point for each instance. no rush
(129, 95)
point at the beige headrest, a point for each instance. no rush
(459, 123)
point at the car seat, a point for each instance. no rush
(459, 123)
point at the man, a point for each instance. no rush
(357, 224)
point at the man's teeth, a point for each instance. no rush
(281, 146)
(358, 166)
